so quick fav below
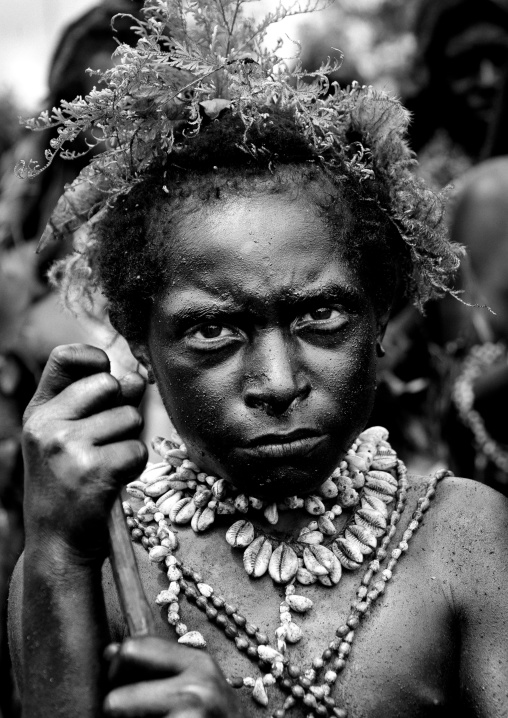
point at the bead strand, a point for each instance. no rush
(150, 526)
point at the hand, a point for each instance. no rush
(80, 444)
(155, 677)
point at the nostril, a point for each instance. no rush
(276, 405)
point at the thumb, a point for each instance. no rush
(67, 364)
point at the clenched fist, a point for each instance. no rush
(80, 445)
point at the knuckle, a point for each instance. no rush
(106, 383)
(62, 354)
(32, 433)
(132, 416)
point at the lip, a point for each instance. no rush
(283, 445)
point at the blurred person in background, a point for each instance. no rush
(477, 339)
(461, 59)
(460, 110)
(31, 321)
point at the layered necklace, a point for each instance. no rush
(370, 481)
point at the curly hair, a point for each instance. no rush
(132, 242)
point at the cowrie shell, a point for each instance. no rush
(204, 589)
(350, 549)
(326, 526)
(166, 505)
(153, 472)
(219, 488)
(382, 487)
(182, 511)
(372, 502)
(318, 559)
(201, 498)
(165, 597)
(311, 537)
(356, 462)
(383, 476)
(283, 564)
(382, 462)
(357, 480)
(193, 639)
(300, 604)
(158, 488)
(305, 577)
(271, 514)
(387, 498)
(344, 483)
(135, 491)
(240, 534)
(269, 654)
(343, 555)
(293, 632)
(348, 498)
(374, 434)
(202, 519)
(158, 554)
(314, 505)
(226, 507)
(372, 520)
(242, 503)
(256, 557)
(259, 692)
(328, 489)
(365, 539)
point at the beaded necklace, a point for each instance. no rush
(480, 358)
(369, 532)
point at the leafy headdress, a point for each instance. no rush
(198, 59)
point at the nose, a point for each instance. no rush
(488, 74)
(276, 381)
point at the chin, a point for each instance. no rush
(276, 480)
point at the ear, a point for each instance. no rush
(140, 351)
(382, 323)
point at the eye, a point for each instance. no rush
(210, 335)
(212, 331)
(322, 319)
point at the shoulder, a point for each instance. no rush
(466, 529)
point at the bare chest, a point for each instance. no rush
(402, 655)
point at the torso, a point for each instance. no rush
(404, 657)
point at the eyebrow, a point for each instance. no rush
(201, 309)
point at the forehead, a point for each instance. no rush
(481, 35)
(257, 249)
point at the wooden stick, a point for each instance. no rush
(135, 607)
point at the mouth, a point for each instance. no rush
(283, 445)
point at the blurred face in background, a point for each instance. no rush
(475, 64)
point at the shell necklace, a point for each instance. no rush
(364, 481)
(370, 478)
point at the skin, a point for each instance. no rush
(434, 642)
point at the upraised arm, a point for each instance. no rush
(80, 444)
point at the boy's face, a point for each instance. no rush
(262, 342)
(475, 63)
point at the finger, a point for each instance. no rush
(155, 698)
(124, 459)
(149, 656)
(86, 397)
(132, 387)
(67, 364)
(106, 427)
